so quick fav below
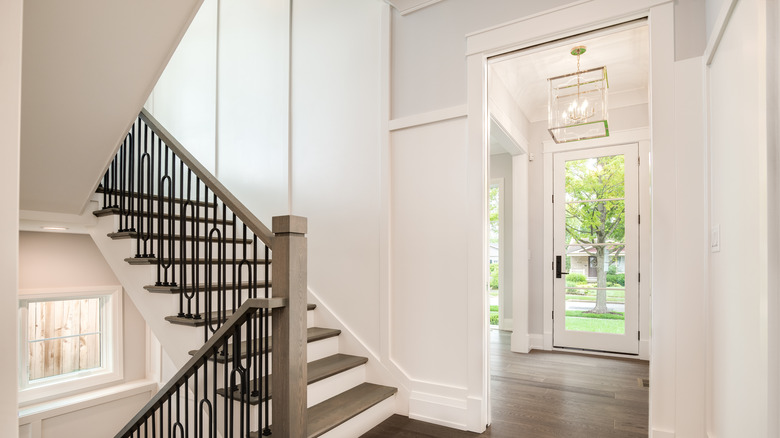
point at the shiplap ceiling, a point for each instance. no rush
(625, 53)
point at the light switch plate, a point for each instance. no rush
(715, 239)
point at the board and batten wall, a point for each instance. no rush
(50, 261)
(742, 301)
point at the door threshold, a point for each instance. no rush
(597, 352)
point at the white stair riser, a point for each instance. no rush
(365, 421)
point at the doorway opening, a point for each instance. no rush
(601, 307)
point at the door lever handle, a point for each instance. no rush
(558, 272)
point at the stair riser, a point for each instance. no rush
(365, 421)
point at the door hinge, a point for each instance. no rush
(638, 336)
(639, 219)
(553, 314)
(638, 161)
(639, 277)
(553, 199)
(552, 265)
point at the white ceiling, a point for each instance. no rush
(625, 53)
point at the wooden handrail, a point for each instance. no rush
(228, 329)
(241, 211)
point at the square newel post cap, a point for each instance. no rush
(289, 224)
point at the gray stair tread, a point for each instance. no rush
(334, 411)
(201, 288)
(316, 370)
(135, 195)
(116, 211)
(153, 261)
(199, 322)
(313, 334)
(341, 408)
(134, 234)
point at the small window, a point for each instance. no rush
(70, 341)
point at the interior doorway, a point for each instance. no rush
(518, 96)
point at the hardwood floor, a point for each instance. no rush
(550, 394)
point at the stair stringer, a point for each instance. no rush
(377, 370)
(176, 340)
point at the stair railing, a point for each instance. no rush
(170, 203)
(191, 404)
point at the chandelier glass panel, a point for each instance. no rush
(577, 103)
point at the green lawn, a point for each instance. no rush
(595, 325)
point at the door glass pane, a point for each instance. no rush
(595, 245)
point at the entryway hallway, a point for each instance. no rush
(551, 394)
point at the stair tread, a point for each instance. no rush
(115, 211)
(341, 408)
(312, 334)
(316, 370)
(134, 235)
(337, 410)
(201, 287)
(123, 193)
(192, 322)
(153, 260)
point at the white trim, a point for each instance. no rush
(440, 115)
(554, 24)
(721, 22)
(442, 410)
(661, 434)
(408, 6)
(536, 342)
(62, 406)
(113, 358)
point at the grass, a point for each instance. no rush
(584, 314)
(595, 325)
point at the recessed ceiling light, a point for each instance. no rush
(55, 228)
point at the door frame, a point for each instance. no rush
(612, 345)
(641, 137)
(569, 20)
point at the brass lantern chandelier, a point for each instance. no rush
(577, 105)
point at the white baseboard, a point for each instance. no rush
(536, 341)
(661, 434)
(444, 411)
(520, 342)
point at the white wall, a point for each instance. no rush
(501, 167)
(738, 311)
(10, 116)
(335, 153)
(224, 96)
(428, 70)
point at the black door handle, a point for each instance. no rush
(558, 272)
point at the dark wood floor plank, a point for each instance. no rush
(550, 395)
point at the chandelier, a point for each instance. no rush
(577, 105)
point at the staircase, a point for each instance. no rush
(199, 267)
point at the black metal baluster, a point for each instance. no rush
(196, 253)
(266, 350)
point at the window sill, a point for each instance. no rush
(40, 411)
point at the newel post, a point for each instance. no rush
(289, 327)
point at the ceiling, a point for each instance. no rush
(625, 53)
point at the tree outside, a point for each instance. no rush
(595, 214)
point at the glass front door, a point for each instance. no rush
(596, 249)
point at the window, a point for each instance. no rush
(70, 340)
